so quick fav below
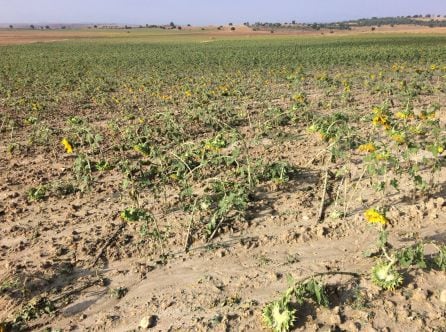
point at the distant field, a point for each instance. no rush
(23, 36)
(183, 180)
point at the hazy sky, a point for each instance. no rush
(207, 11)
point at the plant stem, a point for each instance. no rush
(324, 193)
(189, 227)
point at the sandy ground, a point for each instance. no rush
(52, 245)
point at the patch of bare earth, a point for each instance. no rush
(102, 275)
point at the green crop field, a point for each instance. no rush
(189, 155)
(88, 74)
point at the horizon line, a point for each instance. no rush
(433, 16)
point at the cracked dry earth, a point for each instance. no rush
(75, 251)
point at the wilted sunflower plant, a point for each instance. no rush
(280, 315)
(384, 273)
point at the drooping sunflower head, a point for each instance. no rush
(278, 315)
(367, 148)
(373, 216)
(385, 275)
(67, 145)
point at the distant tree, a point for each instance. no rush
(232, 28)
(428, 15)
(47, 27)
(230, 24)
(220, 27)
(63, 27)
(373, 28)
(172, 25)
(11, 26)
(179, 27)
(189, 25)
(32, 26)
(293, 22)
(95, 26)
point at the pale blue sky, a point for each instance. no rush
(207, 11)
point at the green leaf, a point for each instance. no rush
(135, 214)
(440, 259)
(412, 256)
